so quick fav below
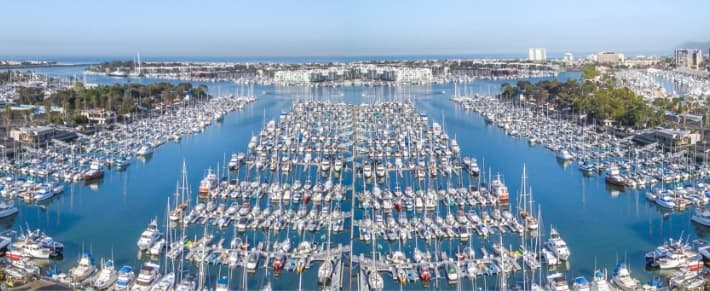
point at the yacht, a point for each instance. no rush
(599, 283)
(614, 177)
(149, 236)
(84, 268)
(106, 277)
(187, 283)
(622, 278)
(682, 259)
(500, 190)
(208, 183)
(557, 282)
(376, 281)
(148, 275)
(125, 278)
(565, 155)
(557, 245)
(581, 284)
(452, 273)
(7, 208)
(324, 272)
(665, 201)
(165, 283)
(94, 173)
(43, 193)
(701, 216)
(144, 150)
(234, 161)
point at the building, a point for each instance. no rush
(610, 58)
(568, 58)
(537, 54)
(100, 116)
(413, 75)
(33, 135)
(641, 61)
(676, 138)
(688, 58)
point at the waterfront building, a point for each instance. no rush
(100, 116)
(688, 58)
(537, 54)
(32, 135)
(370, 72)
(610, 58)
(641, 61)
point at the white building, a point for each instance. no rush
(537, 54)
(689, 58)
(297, 77)
(413, 75)
(568, 58)
(610, 58)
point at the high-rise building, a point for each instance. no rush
(537, 54)
(689, 58)
(610, 58)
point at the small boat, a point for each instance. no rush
(106, 277)
(665, 201)
(581, 284)
(222, 284)
(376, 281)
(565, 155)
(7, 208)
(144, 150)
(187, 283)
(84, 268)
(325, 271)
(452, 273)
(165, 283)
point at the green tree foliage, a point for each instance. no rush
(589, 71)
(30, 95)
(598, 102)
(123, 98)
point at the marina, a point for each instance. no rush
(423, 204)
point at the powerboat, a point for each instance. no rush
(7, 208)
(84, 268)
(106, 277)
(149, 236)
(622, 278)
(701, 216)
(557, 282)
(557, 246)
(148, 275)
(125, 278)
(165, 283)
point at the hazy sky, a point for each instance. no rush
(343, 28)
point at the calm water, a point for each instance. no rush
(599, 225)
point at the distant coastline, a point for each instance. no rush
(26, 66)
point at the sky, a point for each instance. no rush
(346, 28)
